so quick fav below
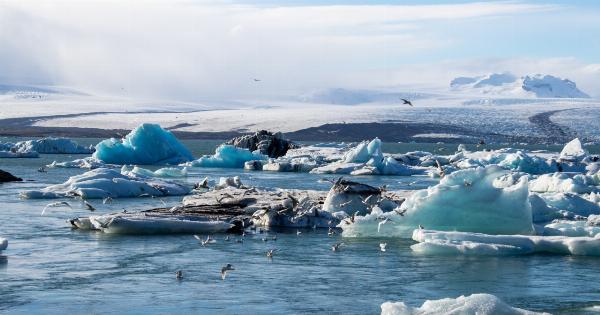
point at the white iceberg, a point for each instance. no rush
(480, 304)
(475, 200)
(573, 228)
(145, 145)
(566, 183)
(52, 146)
(143, 223)
(466, 243)
(103, 182)
(574, 204)
(168, 172)
(573, 151)
(87, 163)
(227, 156)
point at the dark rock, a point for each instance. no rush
(8, 177)
(268, 143)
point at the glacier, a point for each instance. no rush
(227, 156)
(103, 182)
(480, 304)
(145, 145)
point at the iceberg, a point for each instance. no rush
(87, 163)
(480, 304)
(53, 146)
(227, 156)
(482, 200)
(267, 143)
(144, 223)
(466, 243)
(574, 204)
(573, 151)
(565, 183)
(146, 145)
(169, 172)
(573, 228)
(349, 197)
(104, 182)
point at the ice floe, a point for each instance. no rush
(474, 200)
(480, 304)
(227, 156)
(167, 172)
(103, 182)
(566, 183)
(145, 145)
(467, 243)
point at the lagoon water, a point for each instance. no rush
(49, 268)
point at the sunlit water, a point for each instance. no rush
(49, 268)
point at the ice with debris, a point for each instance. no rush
(478, 244)
(480, 304)
(49, 145)
(483, 200)
(147, 144)
(227, 156)
(103, 182)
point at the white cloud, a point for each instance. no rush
(213, 50)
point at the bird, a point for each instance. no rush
(298, 232)
(145, 195)
(270, 252)
(384, 221)
(107, 200)
(335, 247)
(467, 183)
(56, 205)
(330, 232)
(264, 239)
(407, 102)
(421, 227)
(224, 270)
(89, 206)
(179, 274)
(325, 180)
(42, 169)
(256, 80)
(400, 212)
(226, 238)
(440, 168)
(162, 201)
(382, 246)
(208, 240)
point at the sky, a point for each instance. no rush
(199, 50)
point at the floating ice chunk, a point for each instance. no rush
(573, 203)
(162, 172)
(363, 152)
(3, 244)
(103, 182)
(565, 182)
(88, 163)
(147, 144)
(573, 151)
(351, 197)
(227, 156)
(53, 146)
(225, 182)
(572, 228)
(16, 154)
(465, 243)
(142, 223)
(480, 304)
(465, 200)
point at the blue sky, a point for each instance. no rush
(210, 49)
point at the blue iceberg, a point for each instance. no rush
(145, 145)
(228, 156)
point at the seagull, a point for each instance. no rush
(264, 239)
(107, 200)
(336, 246)
(467, 183)
(325, 180)
(208, 240)
(256, 80)
(440, 168)
(224, 270)
(56, 205)
(270, 252)
(382, 246)
(227, 238)
(386, 220)
(400, 212)
(407, 102)
(42, 169)
(421, 227)
(179, 274)
(89, 206)
(145, 195)
(330, 232)
(298, 232)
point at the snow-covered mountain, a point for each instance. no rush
(546, 86)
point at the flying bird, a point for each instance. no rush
(107, 200)
(224, 270)
(256, 80)
(89, 206)
(386, 220)
(407, 102)
(56, 205)
(336, 247)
